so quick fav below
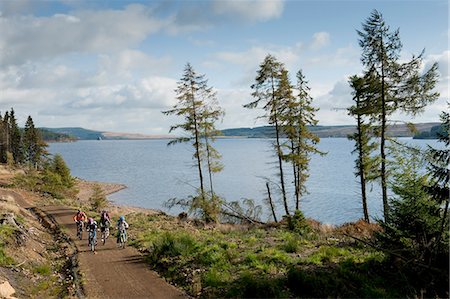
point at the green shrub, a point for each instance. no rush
(216, 278)
(290, 245)
(298, 224)
(172, 245)
(5, 260)
(98, 198)
(43, 269)
(6, 232)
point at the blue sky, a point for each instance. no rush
(113, 65)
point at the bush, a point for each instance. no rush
(173, 245)
(98, 198)
(298, 223)
(54, 180)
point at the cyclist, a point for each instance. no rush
(105, 222)
(122, 226)
(80, 217)
(91, 227)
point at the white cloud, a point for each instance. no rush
(347, 56)
(289, 55)
(320, 40)
(17, 7)
(27, 38)
(128, 61)
(250, 10)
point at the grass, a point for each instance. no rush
(6, 234)
(43, 269)
(257, 262)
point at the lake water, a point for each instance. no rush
(154, 173)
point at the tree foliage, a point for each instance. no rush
(59, 166)
(98, 198)
(290, 111)
(198, 105)
(298, 117)
(366, 165)
(269, 92)
(395, 86)
(413, 232)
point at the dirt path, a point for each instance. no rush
(112, 272)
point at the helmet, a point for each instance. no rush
(122, 218)
(90, 220)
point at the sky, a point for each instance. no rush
(113, 65)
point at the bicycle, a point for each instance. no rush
(92, 240)
(122, 239)
(105, 231)
(80, 230)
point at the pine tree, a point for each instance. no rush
(211, 114)
(197, 103)
(6, 136)
(15, 139)
(438, 168)
(98, 198)
(298, 116)
(34, 146)
(401, 87)
(364, 147)
(59, 167)
(266, 94)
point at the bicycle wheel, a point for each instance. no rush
(92, 243)
(122, 240)
(80, 232)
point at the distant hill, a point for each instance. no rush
(50, 136)
(433, 133)
(400, 130)
(77, 133)
(84, 134)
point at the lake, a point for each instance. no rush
(154, 173)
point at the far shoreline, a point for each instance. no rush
(85, 191)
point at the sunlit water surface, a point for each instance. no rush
(154, 173)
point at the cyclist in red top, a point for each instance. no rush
(79, 216)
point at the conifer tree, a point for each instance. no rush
(6, 135)
(190, 106)
(15, 138)
(298, 116)
(59, 167)
(211, 114)
(197, 103)
(33, 144)
(364, 147)
(438, 168)
(401, 87)
(268, 96)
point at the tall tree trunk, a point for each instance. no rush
(294, 168)
(197, 143)
(362, 174)
(299, 171)
(279, 153)
(382, 145)
(280, 164)
(272, 207)
(208, 157)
